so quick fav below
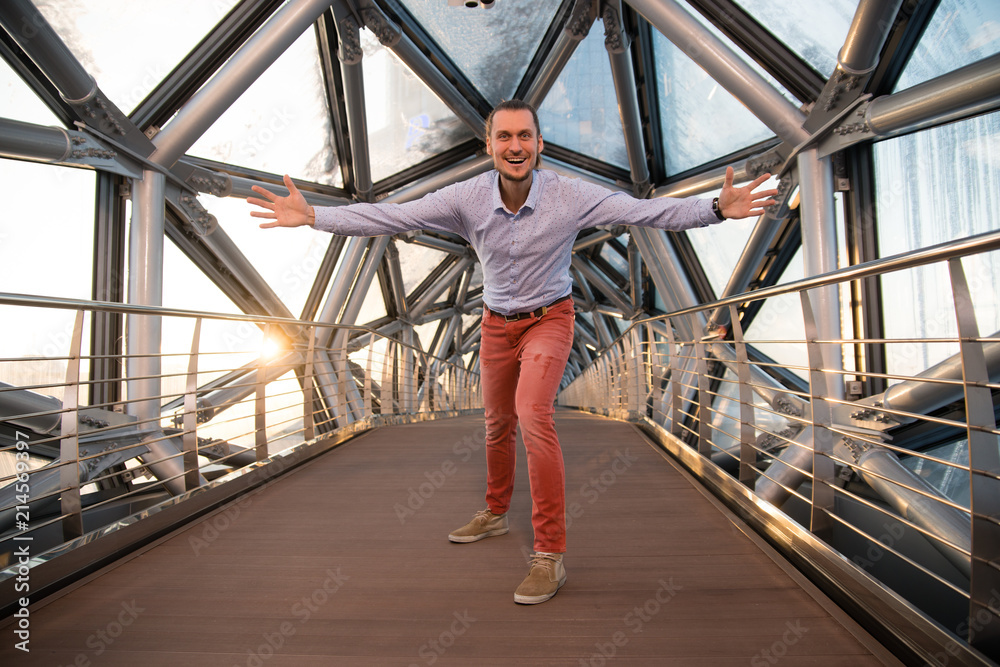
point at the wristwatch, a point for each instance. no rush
(717, 210)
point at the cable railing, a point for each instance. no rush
(842, 481)
(233, 400)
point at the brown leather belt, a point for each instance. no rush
(538, 312)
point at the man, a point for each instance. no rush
(522, 223)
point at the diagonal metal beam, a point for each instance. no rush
(727, 68)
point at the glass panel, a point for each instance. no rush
(912, 214)
(951, 481)
(701, 121)
(281, 133)
(286, 258)
(581, 110)
(719, 247)
(407, 122)
(960, 33)
(492, 48)
(815, 35)
(726, 416)
(780, 320)
(19, 102)
(130, 47)
(48, 251)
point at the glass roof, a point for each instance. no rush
(514, 27)
(960, 33)
(407, 122)
(131, 49)
(281, 133)
(581, 110)
(815, 35)
(700, 120)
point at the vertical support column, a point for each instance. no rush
(190, 440)
(675, 384)
(145, 288)
(69, 444)
(822, 466)
(704, 401)
(984, 469)
(819, 245)
(144, 332)
(748, 432)
(308, 389)
(260, 403)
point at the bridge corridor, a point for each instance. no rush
(345, 561)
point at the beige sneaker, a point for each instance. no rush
(545, 578)
(484, 524)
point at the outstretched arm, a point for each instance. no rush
(743, 202)
(290, 211)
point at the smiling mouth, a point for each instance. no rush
(516, 160)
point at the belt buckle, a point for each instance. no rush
(515, 317)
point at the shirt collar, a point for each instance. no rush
(533, 193)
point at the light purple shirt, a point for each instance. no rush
(525, 255)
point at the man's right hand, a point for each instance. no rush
(290, 211)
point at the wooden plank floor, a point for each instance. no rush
(324, 567)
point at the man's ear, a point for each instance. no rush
(489, 149)
(541, 144)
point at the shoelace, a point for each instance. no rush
(484, 515)
(539, 560)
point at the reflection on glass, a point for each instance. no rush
(700, 120)
(407, 122)
(951, 481)
(581, 110)
(726, 416)
(913, 213)
(960, 33)
(816, 36)
(491, 47)
(280, 124)
(129, 47)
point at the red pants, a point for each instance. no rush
(521, 365)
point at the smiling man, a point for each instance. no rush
(522, 222)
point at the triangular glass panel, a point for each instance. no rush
(491, 47)
(960, 33)
(407, 122)
(816, 36)
(19, 102)
(286, 258)
(700, 120)
(131, 49)
(288, 133)
(580, 112)
(719, 247)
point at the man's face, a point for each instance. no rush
(514, 144)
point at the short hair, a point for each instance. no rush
(512, 105)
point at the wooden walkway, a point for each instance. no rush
(345, 561)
